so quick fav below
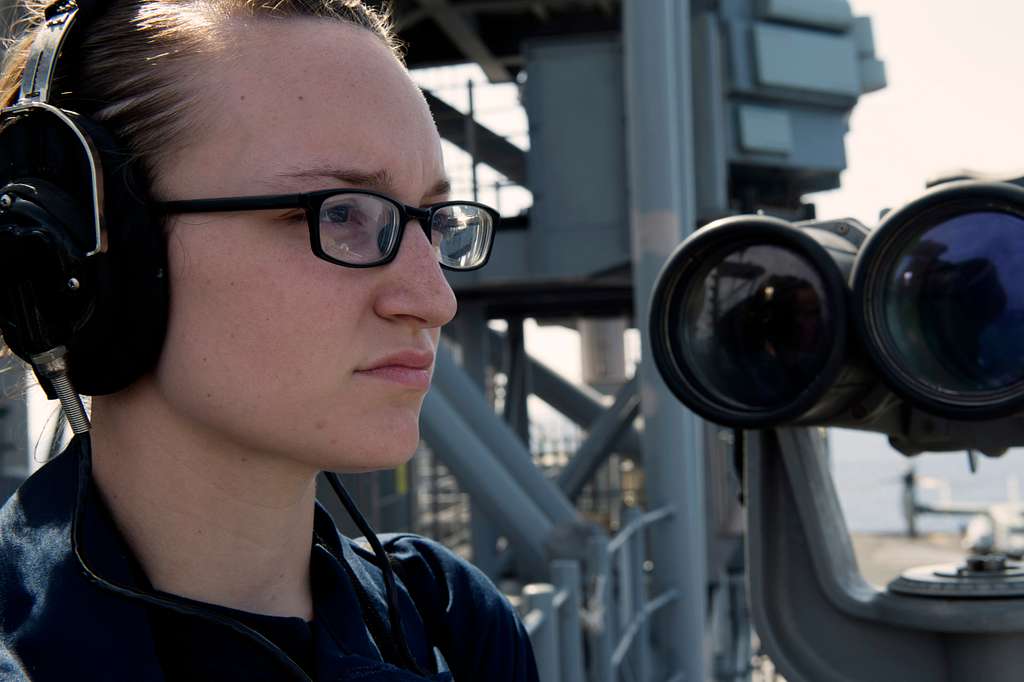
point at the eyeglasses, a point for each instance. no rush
(361, 229)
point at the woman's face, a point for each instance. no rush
(268, 347)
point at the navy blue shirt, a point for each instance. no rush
(75, 604)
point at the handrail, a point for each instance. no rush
(552, 620)
(627, 531)
(535, 618)
(560, 598)
(622, 648)
(618, 608)
(533, 621)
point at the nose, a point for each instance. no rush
(415, 290)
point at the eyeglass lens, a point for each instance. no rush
(460, 235)
(362, 229)
(358, 228)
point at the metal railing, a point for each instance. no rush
(614, 617)
(441, 509)
(551, 614)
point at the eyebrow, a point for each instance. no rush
(442, 187)
(378, 180)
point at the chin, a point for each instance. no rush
(371, 450)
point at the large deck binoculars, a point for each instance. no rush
(757, 322)
(914, 329)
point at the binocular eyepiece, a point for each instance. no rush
(758, 322)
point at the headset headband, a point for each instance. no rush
(36, 84)
(39, 71)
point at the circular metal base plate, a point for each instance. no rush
(952, 581)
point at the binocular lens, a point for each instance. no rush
(953, 303)
(755, 326)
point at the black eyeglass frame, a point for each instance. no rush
(312, 203)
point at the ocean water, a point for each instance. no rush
(869, 476)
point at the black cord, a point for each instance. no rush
(397, 632)
(394, 616)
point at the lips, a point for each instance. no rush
(408, 368)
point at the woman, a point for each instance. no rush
(187, 552)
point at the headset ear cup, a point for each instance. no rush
(39, 307)
(122, 339)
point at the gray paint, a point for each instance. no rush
(819, 619)
(741, 58)
(710, 119)
(498, 438)
(815, 141)
(806, 60)
(580, 404)
(863, 37)
(605, 432)
(765, 129)
(470, 327)
(567, 577)
(680, 153)
(827, 14)
(573, 99)
(491, 486)
(811, 75)
(872, 74)
(657, 71)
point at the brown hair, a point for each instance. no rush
(131, 69)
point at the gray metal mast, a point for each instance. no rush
(657, 75)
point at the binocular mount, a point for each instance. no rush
(914, 329)
(820, 621)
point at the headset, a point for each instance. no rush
(83, 264)
(82, 252)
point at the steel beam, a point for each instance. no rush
(460, 31)
(489, 484)
(518, 387)
(489, 147)
(657, 72)
(604, 433)
(499, 439)
(580, 404)
(710, 118)
(470, 327)
(566, 576)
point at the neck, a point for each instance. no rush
(207, 518)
